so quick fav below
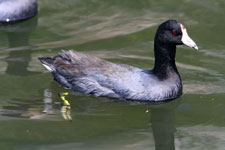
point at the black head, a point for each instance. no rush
(169, 32)
(168, 35)
(174, 33)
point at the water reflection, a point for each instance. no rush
(19, 55)
(119, 28)
(19, 48)
(162, 120)
(38, 109)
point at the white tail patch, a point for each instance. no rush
(48, 68)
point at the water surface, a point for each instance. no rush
(121, 32)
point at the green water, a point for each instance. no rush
(121, 32)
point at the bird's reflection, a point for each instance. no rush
(47, 109)
(19, 49)
(19, 53)
(162, 122)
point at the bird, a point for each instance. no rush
(88, 74)
(17, 10)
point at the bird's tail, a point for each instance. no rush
(47, 62)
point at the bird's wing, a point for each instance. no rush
(90, 74)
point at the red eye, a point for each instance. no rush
(174, 32)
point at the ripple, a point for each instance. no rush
(90, 22)
(201, 88)
(201, 137)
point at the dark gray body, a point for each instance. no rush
(16, 10)
(88, 74)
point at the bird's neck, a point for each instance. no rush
(164, 60)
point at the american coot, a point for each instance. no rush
(89, 74)
(16, 10)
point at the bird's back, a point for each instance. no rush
(89, 74)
